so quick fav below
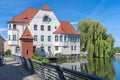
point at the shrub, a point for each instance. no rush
(8, 53)
(36, 56)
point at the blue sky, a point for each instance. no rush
(106, 11)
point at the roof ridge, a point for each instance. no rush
(63, 21)
(26, 34)
(46, 7)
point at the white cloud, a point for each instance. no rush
(74, 23)
(3, 29)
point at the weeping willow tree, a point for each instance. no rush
(94, 39)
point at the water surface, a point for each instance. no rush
(108, 67)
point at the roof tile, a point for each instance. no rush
(45, 7)
(25, 16)
(26, 34)
(65, 28)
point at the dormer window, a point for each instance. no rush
(46, 18)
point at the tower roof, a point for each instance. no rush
(45, 7)
(26, 34)
(65, 28)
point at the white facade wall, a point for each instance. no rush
(38, 20)
(64, 47)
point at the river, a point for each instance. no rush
(107, 68)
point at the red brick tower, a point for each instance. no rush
(26, 42)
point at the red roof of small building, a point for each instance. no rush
(65, 28)
(26, 34)
(45, 7)
(25, 16)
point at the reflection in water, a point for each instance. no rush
(99, 66)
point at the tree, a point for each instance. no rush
(116, 50)
(94, 39)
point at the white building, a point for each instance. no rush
(50, 35)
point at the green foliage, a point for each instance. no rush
(83, 56)
(94, 38)
(39, 58)
(58, 55)
(8, 53)
(101, 67)
(61, 57)
(116, 50)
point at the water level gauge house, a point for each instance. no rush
(50, 35)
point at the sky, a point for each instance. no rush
(106, 11)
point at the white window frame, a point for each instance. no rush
(35, 37)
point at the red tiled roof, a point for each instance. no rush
(45, 7)
(25, 16)
(65, 28)
(26, 34)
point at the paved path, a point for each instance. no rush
(11, 70)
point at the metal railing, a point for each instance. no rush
(54, 72)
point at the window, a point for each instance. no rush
(56, 37)
(65, 46)
(42, 37)
(74, 47)
(49, 28)
(9, 26)
(65, 38)
(68, 37)
(9, 37)
(34, 48)
(49, 38)
(35, 27)
(35, 37)
(14, 37)
(55, 27)
(71, 38)
(61, 38)
(17, 49)
(42, 49)
(78, 38)
(49, 48)
(27, 52)
(14, 26)
(75, 38)
(56, 48)
(46, 18)
(42, 27)
(71, 47)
